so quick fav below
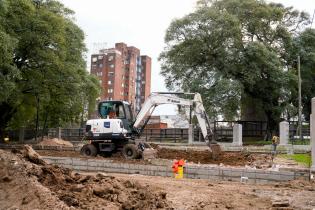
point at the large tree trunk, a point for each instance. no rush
(6, 113)
(252, 109)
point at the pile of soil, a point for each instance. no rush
(27, 182)
(55, 142)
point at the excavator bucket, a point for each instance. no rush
(147, 152)
(215, 150)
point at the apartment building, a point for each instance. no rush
(123, 73)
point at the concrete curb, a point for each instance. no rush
(192, 171)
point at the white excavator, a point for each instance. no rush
(117, 130)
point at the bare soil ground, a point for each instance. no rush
(37, 185)
(202, 157)
(26, 182)
(205, 194)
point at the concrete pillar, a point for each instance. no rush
(190, 134)
(59, 133)
(312, 129)
(237, 135)
(284, 132)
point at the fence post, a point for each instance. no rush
(59, 132)
(284, 132)
(190, 134)
(237, 135)
(312, 130)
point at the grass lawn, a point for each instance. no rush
(304, 159)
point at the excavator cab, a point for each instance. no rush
(116, 110)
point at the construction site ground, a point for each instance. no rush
(26, 182)
(234, 159)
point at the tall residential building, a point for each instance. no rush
(124, 74)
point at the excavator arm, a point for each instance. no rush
(156, 99)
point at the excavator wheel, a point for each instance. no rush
(130, 151)
(89, 150)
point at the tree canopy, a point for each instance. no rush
(43, 73)
(238, 54)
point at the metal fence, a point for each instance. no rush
(166, 134)
(25, 134)
(293, 131)
(70, 134)
(222, 131)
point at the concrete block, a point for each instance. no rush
(286, 177)
(160, 173)
(80, 168)
(64, 161)
(171, 174)
(263, 176)
(202, 176)
(237, 135)
(249, 174)
(91, 168)
(78, 162)
(202, 172)
(274, 177)
(162, 168)
(214, 172)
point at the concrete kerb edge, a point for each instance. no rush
(195, 172)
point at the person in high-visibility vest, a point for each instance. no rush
(275, 142)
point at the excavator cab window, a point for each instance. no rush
(112, 110)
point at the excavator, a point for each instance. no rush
(117, 130)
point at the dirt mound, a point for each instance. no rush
(26, 185)
(55, 142)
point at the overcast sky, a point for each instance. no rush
(140, 23)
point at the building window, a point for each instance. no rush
(122, 93)
(110, 58)
(100, 57)
(109, 82)
(99, 73)
(112, 66)
(110, 99)
(122, 85)
(143, 82)
(110, 90)
(100, 65)
(94, 59)
(100, 82)
(110, 74)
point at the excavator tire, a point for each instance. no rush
(130, 151)
(89, 150)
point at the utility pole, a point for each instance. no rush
(300, 99)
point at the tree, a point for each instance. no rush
(42, 65)
(235, 53)
(304, 46)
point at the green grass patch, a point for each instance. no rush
(304, 159)
(299, 142)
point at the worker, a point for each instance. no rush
(275, 142)
(112, 115)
